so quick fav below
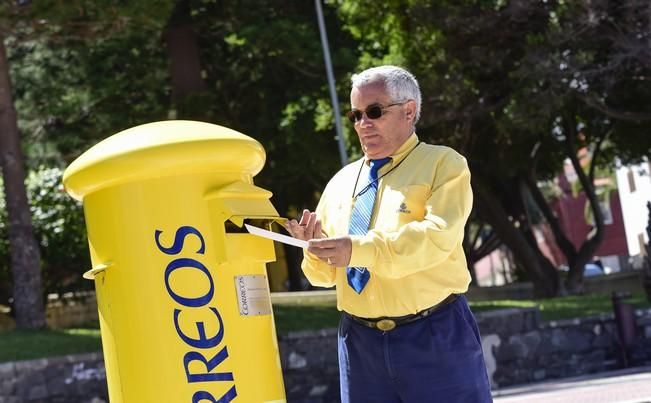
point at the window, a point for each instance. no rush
(631, 180)
(640, 239)
(607, 212)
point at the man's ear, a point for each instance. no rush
(410, 110)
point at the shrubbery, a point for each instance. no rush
(59, 227)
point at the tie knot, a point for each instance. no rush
(377, 164)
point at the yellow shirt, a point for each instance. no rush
(413, 249)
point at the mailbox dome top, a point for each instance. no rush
(160, 149)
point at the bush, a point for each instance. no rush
(59, 227)
(5, 277)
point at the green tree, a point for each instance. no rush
(86, 73)
(60, 229)
(591, 70)
(58, 223)
(47, 19)
(25, 256)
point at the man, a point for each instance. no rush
(388, 233)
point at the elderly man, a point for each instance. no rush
(388, 233)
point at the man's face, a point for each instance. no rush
(383, 136)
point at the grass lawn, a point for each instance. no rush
(22, 345)
(28, 344)
(290, 318)
(564, 307)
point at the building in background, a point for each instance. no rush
(623, 195)
(634, 185)
(575, 216)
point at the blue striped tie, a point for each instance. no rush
(360, 219)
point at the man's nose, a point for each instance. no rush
(365, 120)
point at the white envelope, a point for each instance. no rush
(276, 237)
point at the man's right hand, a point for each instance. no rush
(309, 227)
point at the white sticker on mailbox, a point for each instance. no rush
(253, 295)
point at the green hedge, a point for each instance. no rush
(61, 232)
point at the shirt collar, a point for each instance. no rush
(400, 153)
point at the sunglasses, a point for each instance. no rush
(373, 111)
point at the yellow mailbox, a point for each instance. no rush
(182, 293)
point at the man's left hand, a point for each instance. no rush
(334, 251)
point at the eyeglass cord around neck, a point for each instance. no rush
(368, 185)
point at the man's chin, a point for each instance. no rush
(372, 151)
(375, 155)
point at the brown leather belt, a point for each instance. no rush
(389, 323)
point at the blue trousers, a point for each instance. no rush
(435, 359)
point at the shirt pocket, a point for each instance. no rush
(402, 205)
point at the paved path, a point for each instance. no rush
(625, 386)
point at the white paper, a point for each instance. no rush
(276, 237)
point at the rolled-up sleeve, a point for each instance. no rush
(424, 244)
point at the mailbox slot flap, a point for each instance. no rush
(238, 202)
(239, 190)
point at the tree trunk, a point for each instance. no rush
(574, 282)
(468, 247)
(543, 274)
(293, 255)
(295, 275)
(559, 236)
(24, 249)
(468, 250)
(646, 277)
(185, 61)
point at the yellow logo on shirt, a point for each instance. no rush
(403, 209)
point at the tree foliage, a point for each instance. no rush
(72, 93)
(46, 22)
(60, 230)
(262, 66)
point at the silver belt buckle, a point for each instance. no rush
(385, 325)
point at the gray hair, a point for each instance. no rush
(401, 85)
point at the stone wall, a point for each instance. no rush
(70, 311)
(310, 366)
(68, 379)
(65, 311)
(518, 349)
